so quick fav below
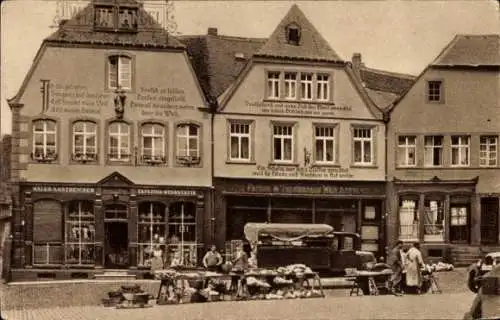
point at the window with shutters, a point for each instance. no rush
(120, 72)
(48, 246)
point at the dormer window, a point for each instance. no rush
(115, 18)
(293, 34)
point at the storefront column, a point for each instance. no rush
(269, 210)
(220, 220)
(421, 227)
(28, 230)
(447, 219)
(132, 232)
(359, 216)
(475, 220)
(99, 232)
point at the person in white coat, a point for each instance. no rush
(414, 263)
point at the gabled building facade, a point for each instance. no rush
(443, 162)
(111, 155)
(298, 140)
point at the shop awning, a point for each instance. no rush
(285, 231)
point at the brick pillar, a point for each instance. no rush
(475, 220)
(132, 232)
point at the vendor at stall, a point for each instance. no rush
(212, 260)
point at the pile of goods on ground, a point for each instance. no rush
(440, 266)
(128, 296)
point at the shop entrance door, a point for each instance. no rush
(489, 220)
(116, 248)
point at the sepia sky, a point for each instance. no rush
(395, 35)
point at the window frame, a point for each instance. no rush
(130, 142)
(429, 94)
(415, 226)
(185, 160)
(372, 139)
(293, 127)
(273, 84)
(107, 74)
(85, 160)
(249, 135)
(44, 158)
(335, 138)
(116, 18)
(324, 84)
(290, 83)
(407, 147)
(155, 159)
(487, 152)
(460, 146)
(295, 27)
(304, 84)
(431, 148)
(440, 198)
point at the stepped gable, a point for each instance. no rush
(80, 30)
(470, 51)
(311, 44)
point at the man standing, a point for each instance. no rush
(414, 263)
(212, 259)
(395, 260)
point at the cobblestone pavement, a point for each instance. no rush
(429, 306)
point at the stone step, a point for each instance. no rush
(115, 275)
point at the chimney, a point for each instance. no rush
(212, 31)
(356, 61)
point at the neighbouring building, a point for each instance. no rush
(5, 203)
(297, 138)
(111, 154)
(443, 162)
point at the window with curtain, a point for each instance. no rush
(239, 136)
(324, 144)
(283, 143)
(188, 143)
(84, 141)
(119, 141)
(153, 143)
(408, 219)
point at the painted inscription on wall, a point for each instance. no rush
(293, 108)
(160, 102)
(75, 99)
(302, 172)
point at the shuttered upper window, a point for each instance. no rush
(120, 72)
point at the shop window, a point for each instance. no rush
(323, 87)
(273, 85)
(151, 232)
(460, 151)
(152, 144)
(80, 233)
(120, 72)
(324, 144)
(282, 143)
(188, 144)
(84, 141)
(407, 147)
(306, 86)
(182, 239)
(47, 233)
(241, 210)
(288, 210)
(240, 141)
(290, 85)
(434, 220)
(119, 142)
(488, 151)
(408, 219)
(433, 151)
(363, 146)
(459, 220)
(44, 141)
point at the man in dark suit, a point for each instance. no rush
(395, 260)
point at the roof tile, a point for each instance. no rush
(471, 51)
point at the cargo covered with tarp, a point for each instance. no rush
(285, 231)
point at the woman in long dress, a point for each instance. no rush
(414, 263)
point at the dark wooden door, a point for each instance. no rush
(489, 220)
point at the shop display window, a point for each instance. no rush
(459, 220)
(408, 219)
(151, 232)
(47, 233)
(434, 220)
(80, 233)
(182, 247)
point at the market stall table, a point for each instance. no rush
(374, 280)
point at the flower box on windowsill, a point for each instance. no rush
(153, 160)
(123, 158)
(84, 157)
(188, 160)
(44, 157)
